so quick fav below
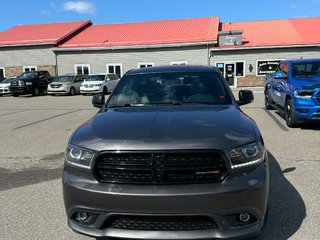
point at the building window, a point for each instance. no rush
(145, 65)
(29, 68)
(115, 68)
(266, 67)
(179, 63)
(2, 74)
(239, 69)
(82, 69)
(234, 68)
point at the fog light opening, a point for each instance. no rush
(244, 217)
(82, 216)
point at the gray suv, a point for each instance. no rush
(170, 155)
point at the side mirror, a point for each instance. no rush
(278, 75)
(245, 97)
(98, 100)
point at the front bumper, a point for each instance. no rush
(4, 91)
(91, 90)
(307, 109)
(60, 90)
(21, 89)
(239, 192)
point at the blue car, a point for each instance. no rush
(294, 90)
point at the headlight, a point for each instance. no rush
(98, 85)
(80, 157)
(28, 83)
(246, 156)
(303, 94)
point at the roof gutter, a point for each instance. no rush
(262, 47)
(27, 45)
(133, 47)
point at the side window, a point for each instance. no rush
(82, 69)
(79, 79)
(283, 68)
(115, 68)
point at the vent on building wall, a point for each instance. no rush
(230, 38)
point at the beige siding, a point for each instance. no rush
(26, 56)
(130, 58)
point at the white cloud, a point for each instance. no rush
(79, 7)
(45, 12)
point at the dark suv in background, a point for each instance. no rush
(33, 82)
(169, 156)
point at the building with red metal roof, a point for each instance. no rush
(28, 47)
(246, 51)
(243, 51)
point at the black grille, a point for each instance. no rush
(161, 223)
(160, 168)
(14, 83)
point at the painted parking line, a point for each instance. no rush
(46, 119)
(280, 125)
(6, 114)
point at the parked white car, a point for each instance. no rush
(66, 84)
(99, 83)
(4, 87)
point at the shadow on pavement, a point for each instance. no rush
(286, 207)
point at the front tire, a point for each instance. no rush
(15, 94)
(105, 91)
(267, 101)
(35, 92)
(72, 91)
(290, 118)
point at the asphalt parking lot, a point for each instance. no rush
(33, 135)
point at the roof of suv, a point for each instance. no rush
(173, 68)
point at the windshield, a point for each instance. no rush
(64, 79)
(171, 88)
(306, 69)
(28, 75)
(6, 81)
(95, 78)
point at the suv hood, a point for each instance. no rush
(5, 84)
(159, 128)
(93, 82)
(307, 83)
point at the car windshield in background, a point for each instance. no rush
(28, 75)
(64, 79)
(95, 78)
(170, 88)
(308, 69)
(6, 81)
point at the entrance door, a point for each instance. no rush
(230, 73)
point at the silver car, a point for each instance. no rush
(66, 84)
(99, 83)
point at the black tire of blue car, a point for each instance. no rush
(15, 94)
(267, 101)
(290, 118)
(72, 91)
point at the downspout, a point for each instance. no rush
(208, 54)
(56, 69)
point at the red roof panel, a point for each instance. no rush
(288, 32)
(50, 33)
(147, 33)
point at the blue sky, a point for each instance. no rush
(14, 12)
